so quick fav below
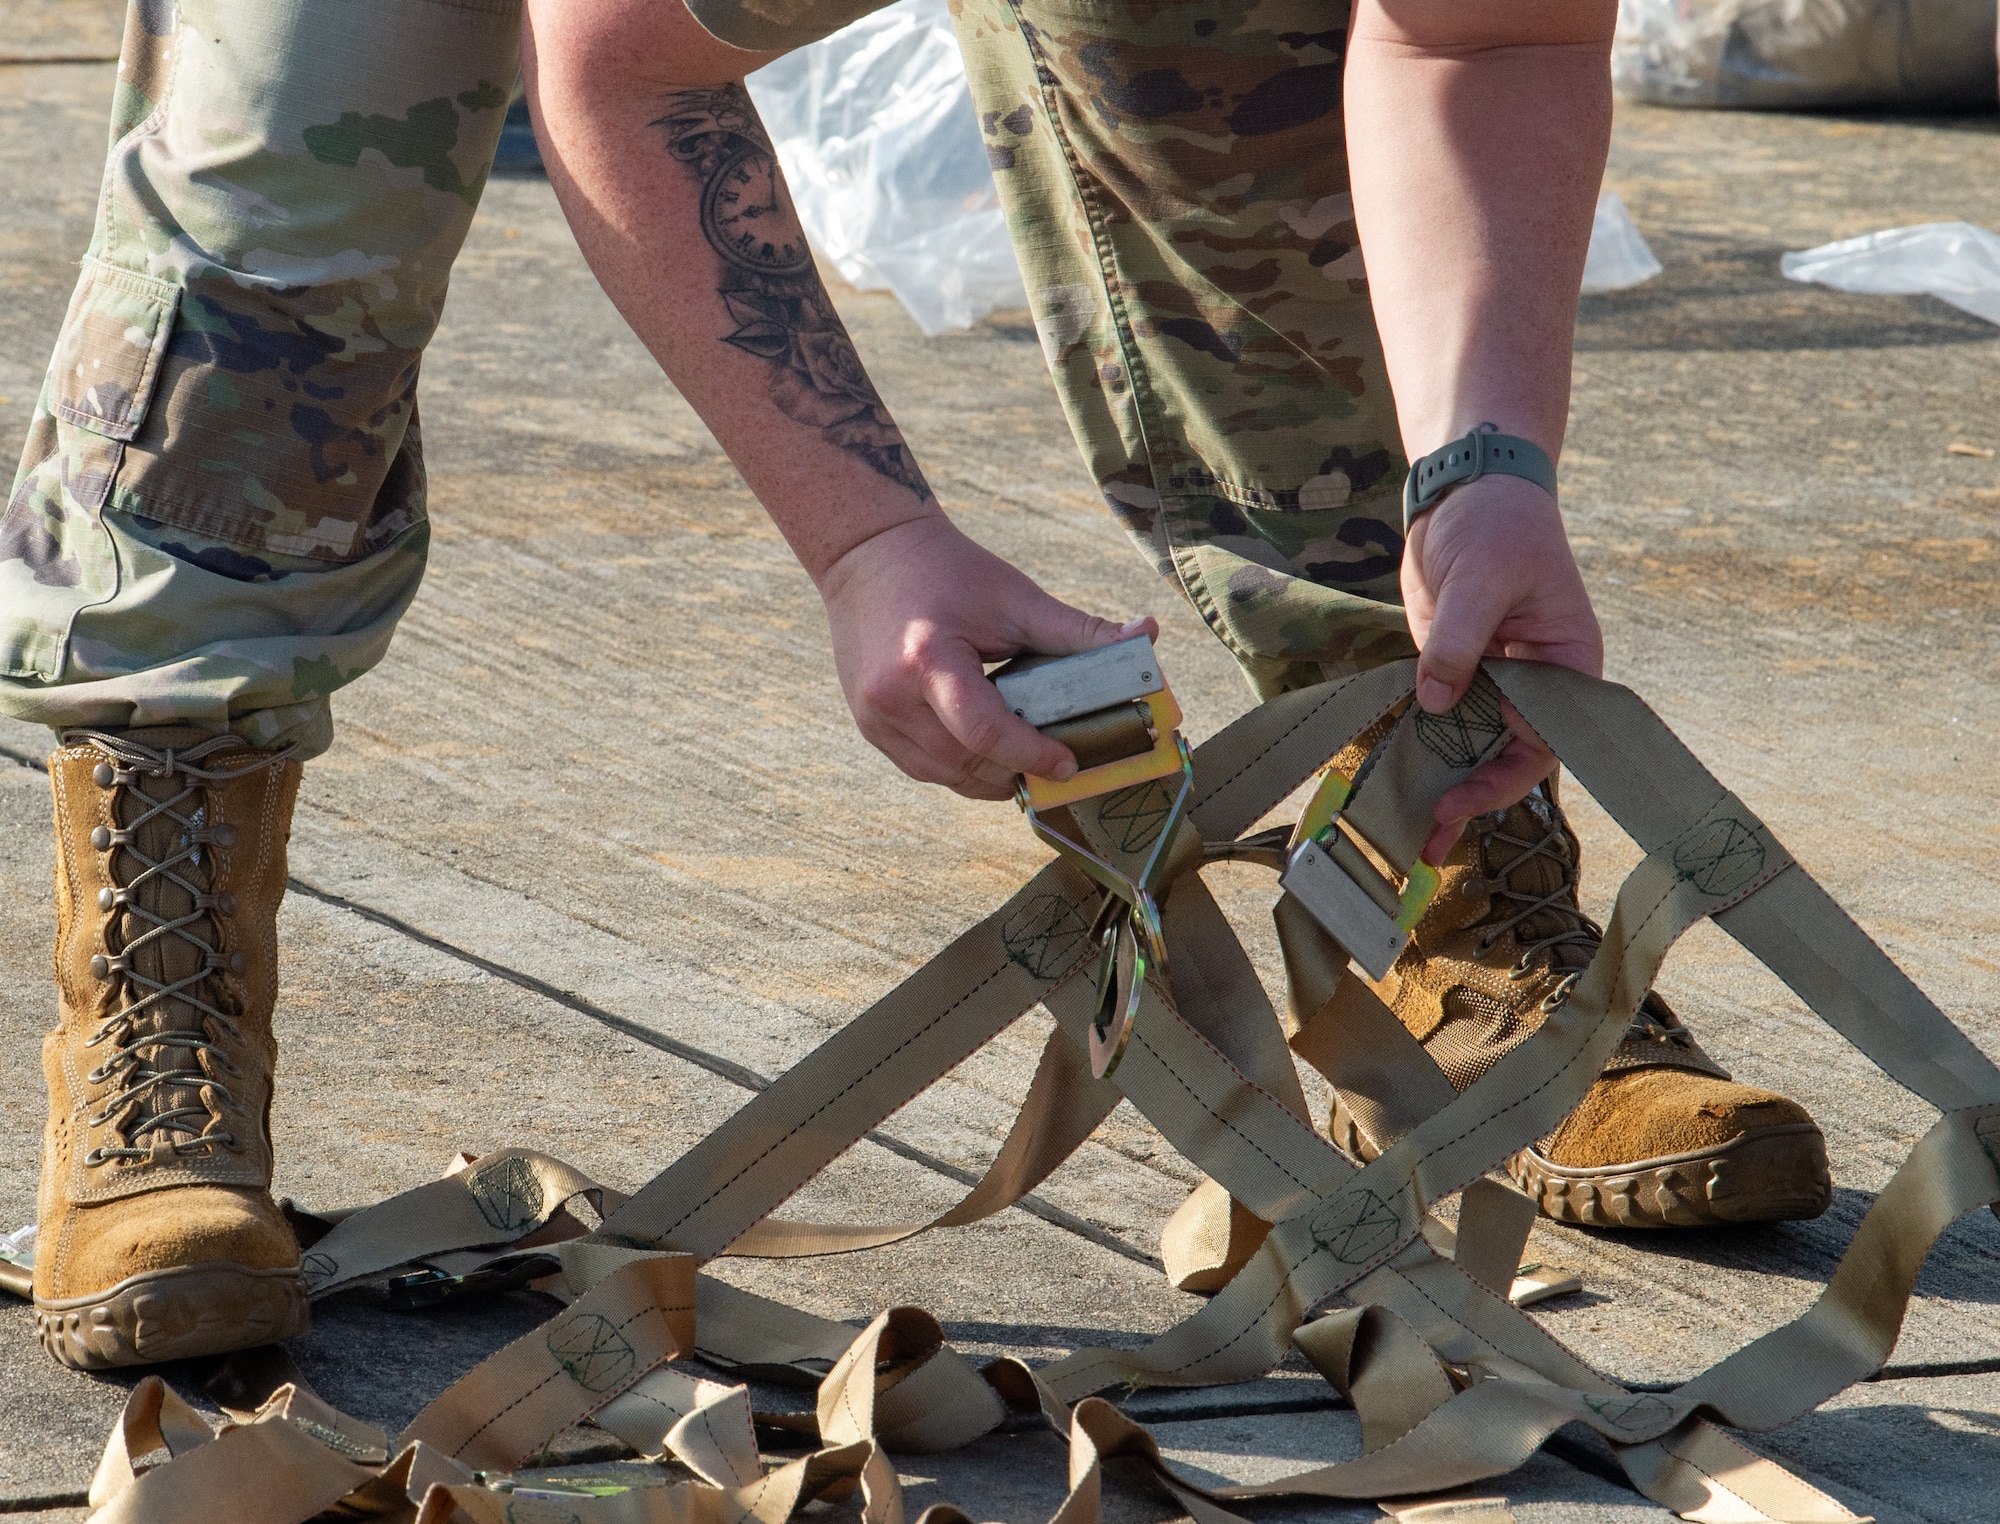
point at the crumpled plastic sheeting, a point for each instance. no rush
(1804, 53)
(876, 131)
(18, 1247)
(1618, 253)
(1953, 261)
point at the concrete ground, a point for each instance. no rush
(599, 833)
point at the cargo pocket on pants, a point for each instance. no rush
(55, 556)
(108, 358)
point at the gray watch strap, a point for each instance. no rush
(1483, 452)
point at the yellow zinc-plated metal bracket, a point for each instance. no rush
(1167, 757)
(1328, 800)
(1419, 889)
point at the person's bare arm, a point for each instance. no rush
(1477, 136)
(669, 182)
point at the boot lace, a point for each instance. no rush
(160, 1086)
(1571, 927)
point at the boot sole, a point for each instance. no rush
(175, 1314)
(1777, 1174)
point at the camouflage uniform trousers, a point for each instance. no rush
(1175, 178)
(219, 516)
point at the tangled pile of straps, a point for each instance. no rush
(1451, 1382)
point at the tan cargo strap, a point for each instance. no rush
(1452, 1383)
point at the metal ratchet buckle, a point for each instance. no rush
(429, 1287)
(1113, 708)
(1328, 872)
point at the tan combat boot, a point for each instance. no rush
(158, 1237)
(1664, 1138)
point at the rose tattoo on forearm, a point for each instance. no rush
(768, 283)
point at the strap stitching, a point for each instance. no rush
(1139, 1037)
(1308, 718)
(834, 1100)
(1689, 1461)
(1301, 723)
(502, 1413)
(1405, 1184)
(1625, 948)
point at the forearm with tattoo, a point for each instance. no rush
(765, 276)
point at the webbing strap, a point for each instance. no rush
(638, 1316)
(509, 1194)
(971, 991)
(1452, 1383)
(1064, 1106)
(818, 1109)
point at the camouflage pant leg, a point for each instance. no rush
(1175, 177)
(219, 515)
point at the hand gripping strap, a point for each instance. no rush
(1483, 452)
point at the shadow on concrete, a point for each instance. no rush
(1797, 1251)
(1729, 297)
(1042, 1336)
(1959, 1449)
(1980, 120)
(385, 1366)
(1964, 1263)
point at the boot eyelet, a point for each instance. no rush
(100, 967)
(100, 838)
(107, 899)
(226, 903)
(104, 775)
(223, 835)
(238, 962)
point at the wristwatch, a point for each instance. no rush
(1485, 451)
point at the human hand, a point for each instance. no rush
(1488, 572)
(915, 611)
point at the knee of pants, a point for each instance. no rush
(220, 508)
(280, 214)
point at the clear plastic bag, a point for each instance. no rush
(1953, 261)
(1806, 53)
(1618, 254)
(876, 131)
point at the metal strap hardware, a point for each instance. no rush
(1093, 694)
(429, 1287)
(1327, 872)
(1485, 451)
(1072, 697)
(1044, 690)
